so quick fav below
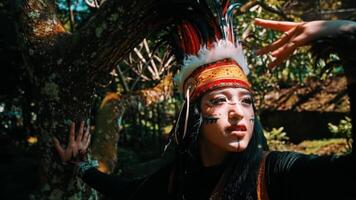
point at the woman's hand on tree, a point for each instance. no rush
(297, 34)
(77, 145)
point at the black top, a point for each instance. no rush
(156, 186)
(288, 176)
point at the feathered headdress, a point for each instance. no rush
(209, 54)
(204, 39)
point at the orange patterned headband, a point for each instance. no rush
(223, 73)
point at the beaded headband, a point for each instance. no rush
(222, 73)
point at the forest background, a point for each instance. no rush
(102, 62)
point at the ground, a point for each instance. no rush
(336, 146)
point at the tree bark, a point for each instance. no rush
(63, 68)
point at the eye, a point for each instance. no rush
(217, 101)
(246, 101)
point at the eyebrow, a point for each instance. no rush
(246, 93)
(241, 92)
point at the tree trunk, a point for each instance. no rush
(63, 68)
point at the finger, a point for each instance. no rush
(84, 142)
(275, 25)
(291, 45)
(283, 54)
(81, 132)
(87, 130)
(59, 148)
(86, 145)
(72, 134)
(86, 136)
(301, 40)
(278, 43)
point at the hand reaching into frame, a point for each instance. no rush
(77, 146)
(297, 34)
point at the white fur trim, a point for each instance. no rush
(222, 49)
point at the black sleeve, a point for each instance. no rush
(111, 186)
(295, 176)
(154, 186)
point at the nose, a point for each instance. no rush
(235, 113)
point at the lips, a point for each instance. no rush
(236, 128)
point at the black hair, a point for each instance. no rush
(243, 181)
(243, 177)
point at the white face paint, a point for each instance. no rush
(233, 120)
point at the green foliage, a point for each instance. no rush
(343, 129)
(299, 67)
(276, 138)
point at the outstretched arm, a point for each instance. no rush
(341, 37)
(297, 34)
(293, 175)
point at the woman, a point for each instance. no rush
(219, 144)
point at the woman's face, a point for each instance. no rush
(228, 119)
